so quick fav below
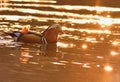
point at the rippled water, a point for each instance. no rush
(89, 50)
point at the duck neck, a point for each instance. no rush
(51, 36)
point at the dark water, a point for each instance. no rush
(89, 51)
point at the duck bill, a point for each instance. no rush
(62, 32)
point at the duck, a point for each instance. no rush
(49, 35)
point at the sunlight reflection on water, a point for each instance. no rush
(88, 51)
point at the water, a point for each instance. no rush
(88, 51)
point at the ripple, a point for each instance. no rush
(58, 63)
(84, 46)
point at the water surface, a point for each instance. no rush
(88, 51)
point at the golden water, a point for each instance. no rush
(89, 50)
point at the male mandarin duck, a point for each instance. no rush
(50, 35)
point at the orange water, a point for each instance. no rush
(88, 51)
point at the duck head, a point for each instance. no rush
(51, 33)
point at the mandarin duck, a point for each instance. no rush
(50, 35)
